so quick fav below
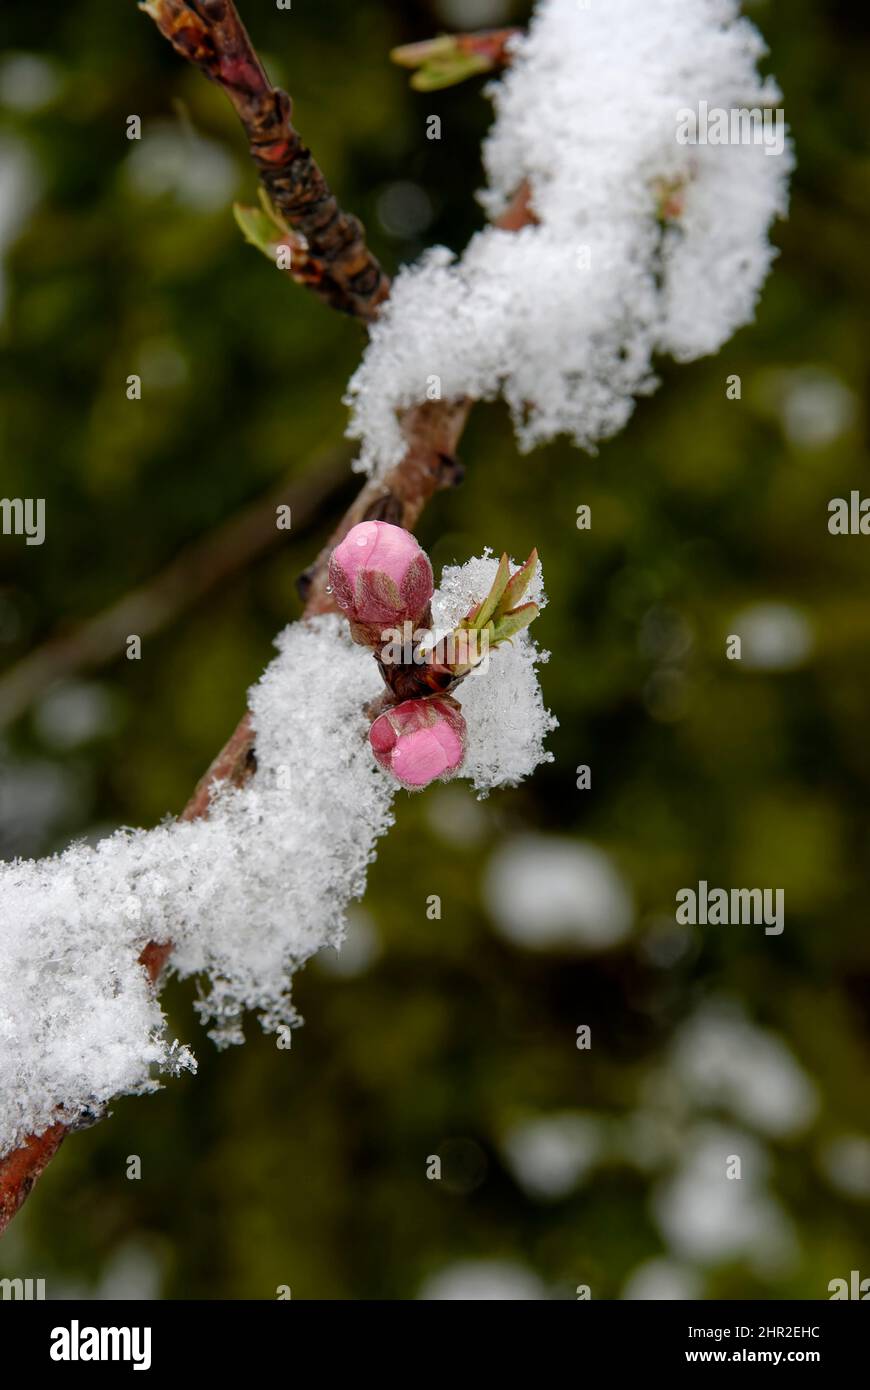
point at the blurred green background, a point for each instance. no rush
(456, 1037)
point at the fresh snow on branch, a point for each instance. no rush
(248, 894)
(503, 705)
(643, 244)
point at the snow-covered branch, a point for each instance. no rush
(644, 242)
(244, 894)
(614, 242)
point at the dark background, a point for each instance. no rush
(307, 1167)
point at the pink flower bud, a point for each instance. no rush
(381, 579)
(420, 740)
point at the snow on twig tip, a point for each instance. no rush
(644, 242)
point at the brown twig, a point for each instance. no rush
(20, 1170)
(331, 258)
(432, 431)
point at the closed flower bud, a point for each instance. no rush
(381, 579)
(420, 740)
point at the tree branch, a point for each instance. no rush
(432, 431)
(330, 255)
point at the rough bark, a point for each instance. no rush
(330, 254)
